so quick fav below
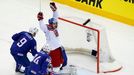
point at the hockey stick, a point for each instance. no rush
(40, 5)
(88, 20)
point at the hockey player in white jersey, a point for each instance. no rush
(57, 53)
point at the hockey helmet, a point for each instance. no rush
(33, 30)
(46, 48)
(52, 21)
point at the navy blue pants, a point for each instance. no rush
(21, 61)
(64, 55)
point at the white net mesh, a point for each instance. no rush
(79, 39)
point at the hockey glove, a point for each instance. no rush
(53, 6)
(40, 16)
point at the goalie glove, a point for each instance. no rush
(40, 16)
(53, 6)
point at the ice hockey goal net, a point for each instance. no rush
(82, 39)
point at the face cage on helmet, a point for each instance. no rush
(52, 26)
(56, 24)
(46, 51)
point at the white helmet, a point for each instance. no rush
(46, 48)
(33, 30)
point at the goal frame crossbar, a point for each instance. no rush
(98, 43)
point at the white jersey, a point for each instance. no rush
(52, 36)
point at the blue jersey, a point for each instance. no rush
(40, 64)
(23, 43)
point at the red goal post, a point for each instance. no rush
(98, 39)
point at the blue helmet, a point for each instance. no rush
(52, 21)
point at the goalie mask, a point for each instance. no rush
(33, 31)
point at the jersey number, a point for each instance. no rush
(21, 42)
(36, 59)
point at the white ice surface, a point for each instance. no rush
(18, 15)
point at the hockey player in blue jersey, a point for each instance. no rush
(41, 64)
(23, 43)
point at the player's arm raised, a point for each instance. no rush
(54, 9)
(40, 18)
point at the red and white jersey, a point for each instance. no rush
(52, 36)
